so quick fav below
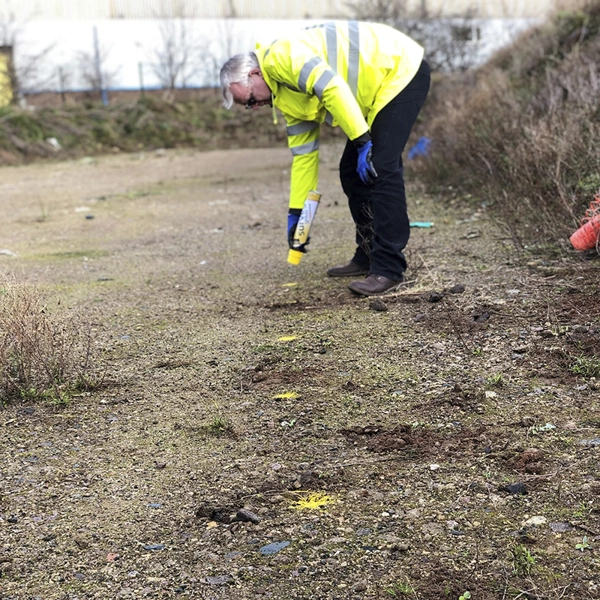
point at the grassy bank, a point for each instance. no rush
(520, 133)
(146, 124)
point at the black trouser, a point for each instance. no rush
(379, 211)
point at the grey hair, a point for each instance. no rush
(236, 70)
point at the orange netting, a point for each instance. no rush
(592, 211)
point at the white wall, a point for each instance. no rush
(127, 44)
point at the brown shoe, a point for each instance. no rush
(348, 270)
(374, 285)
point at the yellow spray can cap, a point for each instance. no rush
(294, 257)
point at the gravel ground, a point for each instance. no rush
(263, 433)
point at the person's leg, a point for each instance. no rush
(359, 202)
(390, 131)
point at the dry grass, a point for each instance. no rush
(42, 357)
(521, 132)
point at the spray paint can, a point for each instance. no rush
(307, 215)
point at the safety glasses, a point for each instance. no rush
(251, 101)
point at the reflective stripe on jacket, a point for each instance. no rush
(340, 72)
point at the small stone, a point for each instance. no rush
(273, 548)
(535, 521)
(361, 586)
(378, 305)
(517, 489)
(560, 527)
(400, 547)
(594, 442)
(432, 528)
(218, 580)
(435, 297)
(459, 288)
(246, 516)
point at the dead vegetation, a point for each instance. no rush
(520, 132)
(43, 356)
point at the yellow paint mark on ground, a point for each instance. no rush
(291, 284)
(287, 338)
(286, 396)
(313, 501)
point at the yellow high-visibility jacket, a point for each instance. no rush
(340, 72)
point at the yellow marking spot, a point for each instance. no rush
(313, 501)
(286, 396)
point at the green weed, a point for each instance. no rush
(586, 366)
(219, 426)
(582, 511)
(523, 560)
(583, 544)
(400, 589)
(496, 380)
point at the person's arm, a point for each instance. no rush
(303, 141)
(312, 75)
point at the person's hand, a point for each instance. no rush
(293, 217)
(366, 170)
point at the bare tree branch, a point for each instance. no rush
(450, 44)
(28, 71)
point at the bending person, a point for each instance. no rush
(372, 81)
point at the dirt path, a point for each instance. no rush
(236, 381)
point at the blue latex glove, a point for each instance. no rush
(366, 170)
(293, 218)
(421, 148)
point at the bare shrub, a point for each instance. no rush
(28, 71)
(450, 43)
(93, 66)
(521, 132)
(177, 56)
(42, 356)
